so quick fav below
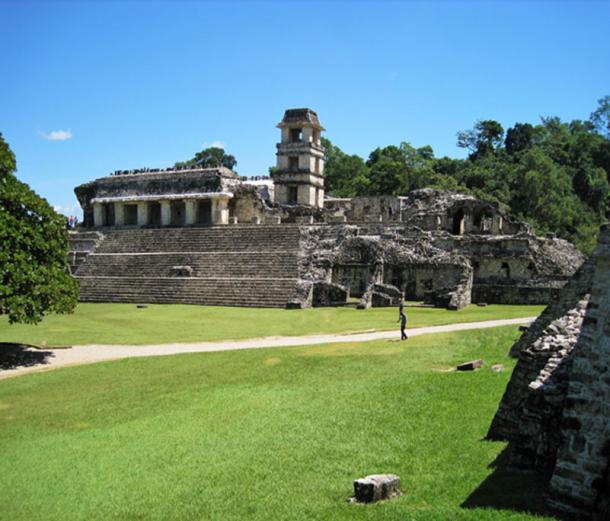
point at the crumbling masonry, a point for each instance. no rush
(556, 408)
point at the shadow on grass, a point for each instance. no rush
(510, 488)
(13, 356)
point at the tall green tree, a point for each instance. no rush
(33, 251)
(600, 117)
(483, 139)
(344, 175)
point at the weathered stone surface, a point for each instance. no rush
(329, 294)
(392, 292)
(470, 366)
(181, 271)
(381, 300)
(376, 487)
(555, 409)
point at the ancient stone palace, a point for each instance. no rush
(207, 236)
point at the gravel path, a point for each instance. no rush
(97, 353)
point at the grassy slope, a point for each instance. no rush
(125, 324)
(272, 434)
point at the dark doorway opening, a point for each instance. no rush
(505, 269)
(178, 211)
(108, 214)
(131, 214)
(155, 214)
(293, 163)
(296, 135)
(293, 192)
(204, 212)
(458, 223)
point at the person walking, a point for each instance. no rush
(402, 318)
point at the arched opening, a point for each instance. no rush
(458, 223)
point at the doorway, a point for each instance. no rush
(204, 212)
(178, 211)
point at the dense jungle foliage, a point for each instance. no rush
(554, 175)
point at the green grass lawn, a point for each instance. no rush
(157, 324)
(270, 434)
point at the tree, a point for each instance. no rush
(212, 157)
(344, 175)
(519, 138)
(33, 251)
(601, 116)
(483, 139)
(388, 171)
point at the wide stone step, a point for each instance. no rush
(213, 291)
(202, 264)
(201, 239)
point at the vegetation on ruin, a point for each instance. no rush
(33, 251)
(169, 323)
(270, 434)
(211, 157)
(554, 175)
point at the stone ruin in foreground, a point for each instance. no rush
(206, 236)
(555, 411)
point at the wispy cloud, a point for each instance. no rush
(57, 135)
(67, 209)
(215, 144)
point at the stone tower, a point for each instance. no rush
(299, 177)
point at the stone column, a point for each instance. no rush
(119, 214)
(222, 212)
(190, 207)
(166, 213)
(142, 214)
(98, 214)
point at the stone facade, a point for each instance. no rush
(555, 411)
(442, 248)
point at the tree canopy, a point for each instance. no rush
(553, 174)
(212, 157)
(33, 251)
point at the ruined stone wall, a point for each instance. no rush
(555, 411)
(579, 483)
(247, 206)
(385, 208)
(360, 257)
(431, 283)
(534, 350)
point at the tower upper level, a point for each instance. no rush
(300, 126)
(299, 175)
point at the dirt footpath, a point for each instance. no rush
(55, 358)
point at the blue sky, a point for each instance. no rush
(91, 87)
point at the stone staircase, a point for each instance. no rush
(80, 245)
(243, 265)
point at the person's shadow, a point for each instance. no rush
(14, 356)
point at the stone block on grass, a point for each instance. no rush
(376, 487)
(470, 366)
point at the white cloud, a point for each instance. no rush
(57, 135)
(68, 209)
(215, 144)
